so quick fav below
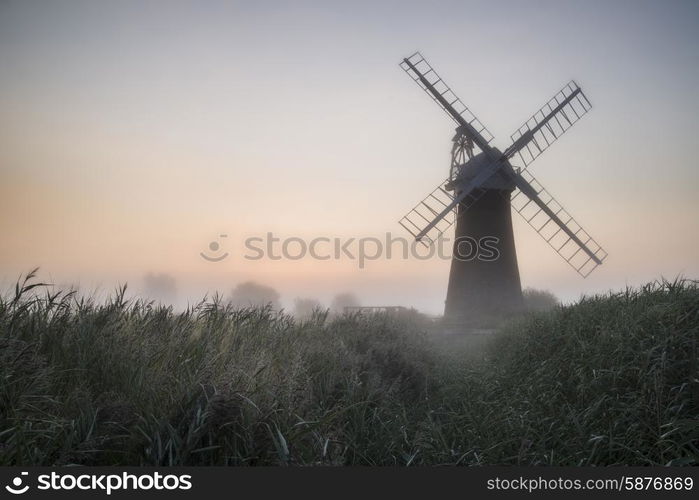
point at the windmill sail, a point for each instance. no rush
(427, 78)
(548, 124)
(435, 213)
(555, 225)
(427, 210)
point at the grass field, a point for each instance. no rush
(610, 380)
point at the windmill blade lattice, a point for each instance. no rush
(549, 123)
(575, 255)
(428, 212)
(416, 67)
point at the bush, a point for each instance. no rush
(538, 300)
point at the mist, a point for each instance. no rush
(134, 138)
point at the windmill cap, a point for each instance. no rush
(467, 171)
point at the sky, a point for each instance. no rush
(134, 134)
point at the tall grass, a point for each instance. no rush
(610, 380)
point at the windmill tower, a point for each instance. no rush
(480, 193)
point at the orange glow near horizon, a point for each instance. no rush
(130, 140)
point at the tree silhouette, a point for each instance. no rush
(160, 286)
(304, 308)
(342, 300)
(251, 294)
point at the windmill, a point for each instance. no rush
(480, 193)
